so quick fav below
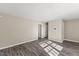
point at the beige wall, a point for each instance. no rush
(72, 30)
(56, 35)
(15, 30)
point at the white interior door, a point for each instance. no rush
(39, 30)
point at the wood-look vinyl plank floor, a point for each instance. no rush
(34, 49)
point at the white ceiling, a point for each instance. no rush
(42, 11)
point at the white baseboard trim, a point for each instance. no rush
(60, 41)
(16, 44)
(71, 40)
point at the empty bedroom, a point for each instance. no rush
(39, 29)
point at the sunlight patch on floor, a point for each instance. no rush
(53, 49)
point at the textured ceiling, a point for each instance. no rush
(42, 11)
